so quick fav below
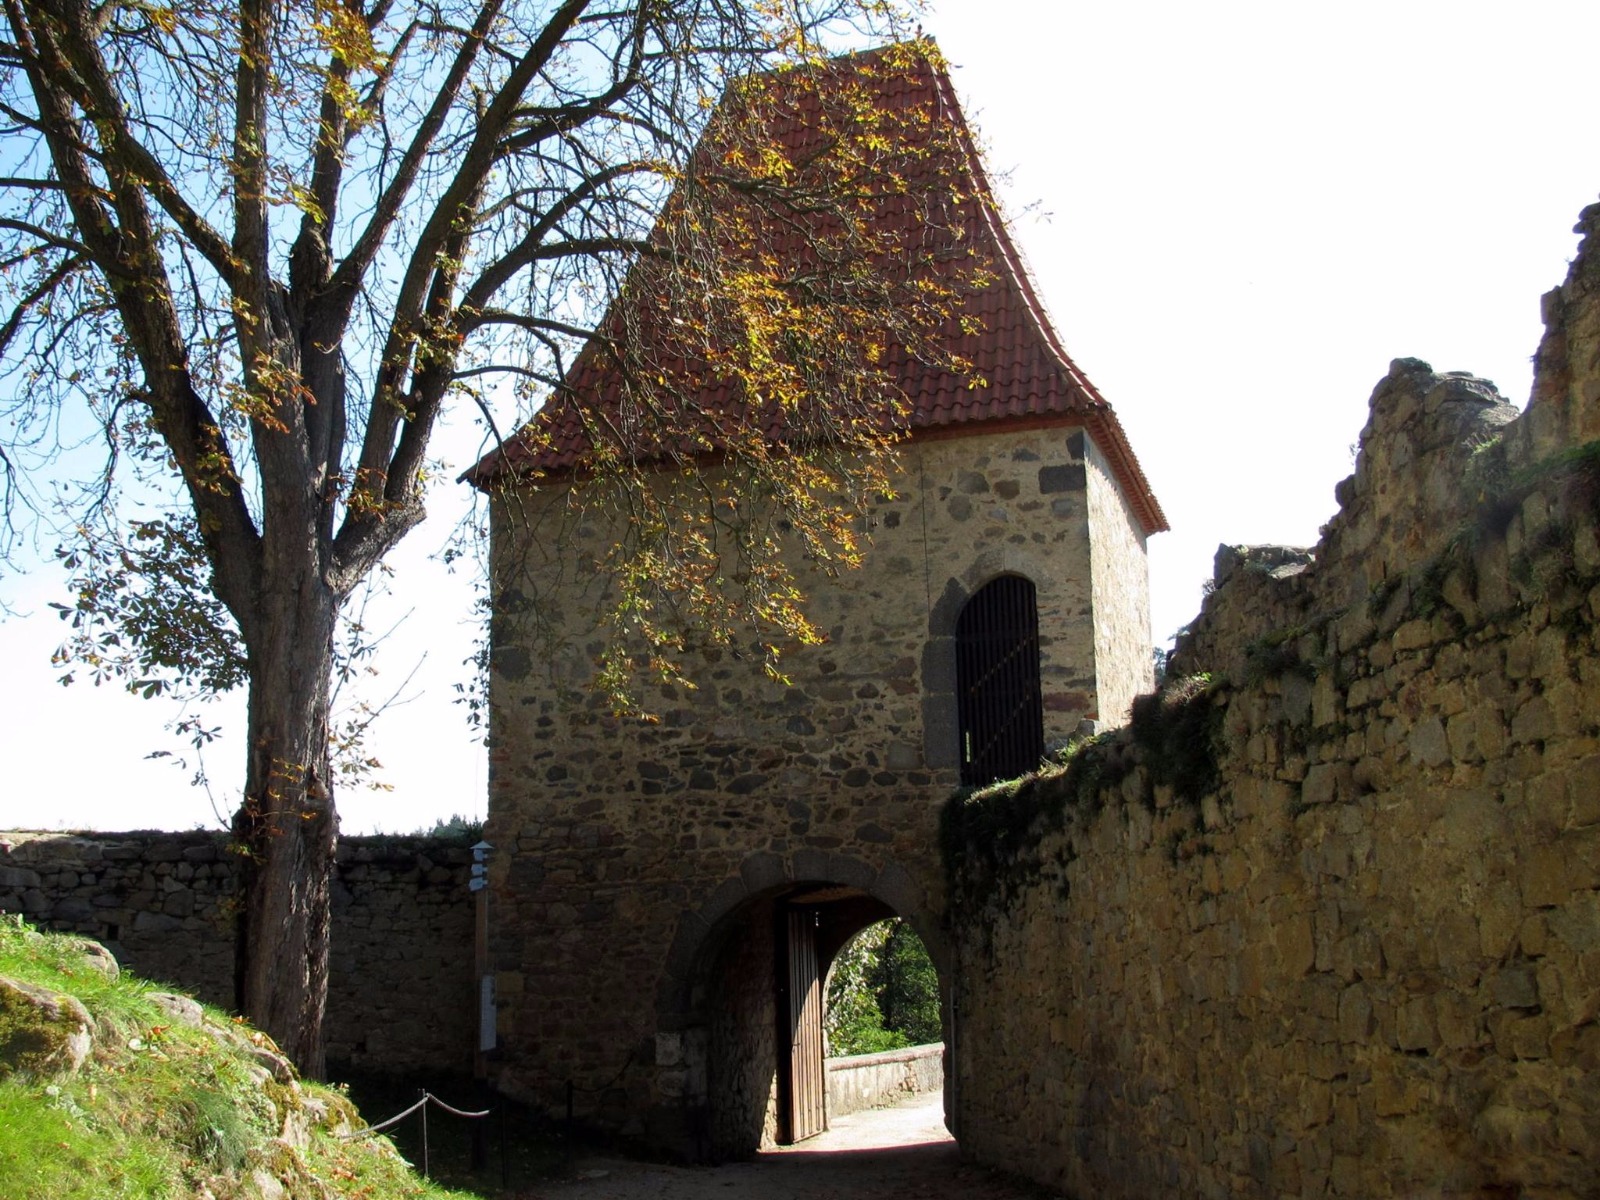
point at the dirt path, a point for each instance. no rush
(901, 1153)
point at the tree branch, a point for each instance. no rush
(384, 507)
(347, 278)
(569, 117)
(119, 239)
(55, 279)
(479, 318)
(251, 89)
(542, 378)
(100, 103)
(450, 221)
(48, 238)
(499, 272)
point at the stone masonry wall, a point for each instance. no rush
(161, 902)
(624, 840)
(1121, 595)
(400, 993)
(743, 1037)
(1325, 921)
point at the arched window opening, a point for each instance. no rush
(1001, 710)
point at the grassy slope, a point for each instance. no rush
(163, 1109)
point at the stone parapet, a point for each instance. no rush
(862, 1081)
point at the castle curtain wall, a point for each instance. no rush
(400, 988)
(1326, 921)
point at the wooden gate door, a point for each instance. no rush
(806, 1086)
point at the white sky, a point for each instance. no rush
(1240, 213)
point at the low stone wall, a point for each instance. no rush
(163, 903)
(400, 993)
(1325, 921)
(862, 1081)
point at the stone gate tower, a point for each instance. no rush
(655, 885)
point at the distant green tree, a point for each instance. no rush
(907, 987)
(458, 828)
(853, 1022)
(883, 992)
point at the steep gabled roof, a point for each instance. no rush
(1021, 377)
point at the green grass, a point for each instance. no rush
(161, 1109)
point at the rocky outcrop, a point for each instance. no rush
(42, 1032)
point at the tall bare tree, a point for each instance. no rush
(260, 245)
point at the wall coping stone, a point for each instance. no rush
(849, 1062)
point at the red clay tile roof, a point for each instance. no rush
(1029, 381)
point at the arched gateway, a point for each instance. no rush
(658, 890)
(739, 1010)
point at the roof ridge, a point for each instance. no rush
(1118, 450)
(999, 227)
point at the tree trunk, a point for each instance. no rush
(287, 825)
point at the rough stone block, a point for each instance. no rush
(1062, 478)
(1414, 1025)
(834, 868)
(669, 1049)
(727, 896)
(1428, 743)
(1325, 783)
(763, 872)
(1534, 721)
(1543, 877)
(1296, 945)
(1355, 1016)
(1583, 790)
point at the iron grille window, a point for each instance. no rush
(1001, 712)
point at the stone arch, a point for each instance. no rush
(716, 1004)
(941, 739)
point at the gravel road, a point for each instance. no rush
(901, 1153)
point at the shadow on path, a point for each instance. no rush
(901, 1153)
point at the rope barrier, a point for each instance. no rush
(615, 1079)
(455, 1111)
(427, 1098)
(382, 1125)
(478, 1151)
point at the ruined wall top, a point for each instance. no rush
(1565, 406)
(1435, 446)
